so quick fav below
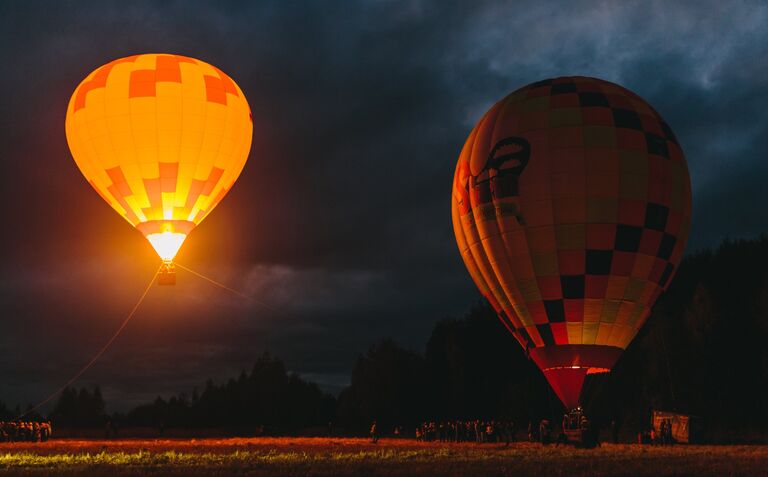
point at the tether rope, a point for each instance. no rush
(232, 290)
(97, 355)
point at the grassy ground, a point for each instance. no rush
(308, 457)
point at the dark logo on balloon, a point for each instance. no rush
(509, 157)
(499, 179)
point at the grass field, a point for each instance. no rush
(309, 457)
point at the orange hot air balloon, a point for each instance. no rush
(161, 138)
(571, 206)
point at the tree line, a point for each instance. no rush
(702, 352)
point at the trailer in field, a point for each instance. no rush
(680, 424)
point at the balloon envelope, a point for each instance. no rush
(571, 205)
(161, 138)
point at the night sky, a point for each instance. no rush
(341, 217)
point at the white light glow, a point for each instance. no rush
(167, 244)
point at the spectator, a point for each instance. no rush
(544, 430)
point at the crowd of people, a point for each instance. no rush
(493, 431)
(576, 429)
(480, 431)
(27, 431)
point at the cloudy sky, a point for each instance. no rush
(341, 218)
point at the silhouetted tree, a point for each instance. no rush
(5, 413)
(478, 370)
(267, 399)
(81, 408)
(388, 384)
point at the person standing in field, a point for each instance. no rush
(666, 432)
(374, 434)
(544, 431)
(46, 431)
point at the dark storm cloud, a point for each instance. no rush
(341, 216)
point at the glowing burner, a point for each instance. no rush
(167, 244)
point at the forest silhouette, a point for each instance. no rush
(702, 352)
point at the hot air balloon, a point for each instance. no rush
(161, 138)
(571, 204)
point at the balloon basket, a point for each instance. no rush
(167, 274)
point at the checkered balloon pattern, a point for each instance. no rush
(571, 206)
(161, 138)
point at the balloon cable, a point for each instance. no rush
(98, 353)
(232, 290)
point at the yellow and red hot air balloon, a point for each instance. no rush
(161, 138)
(571, 206)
